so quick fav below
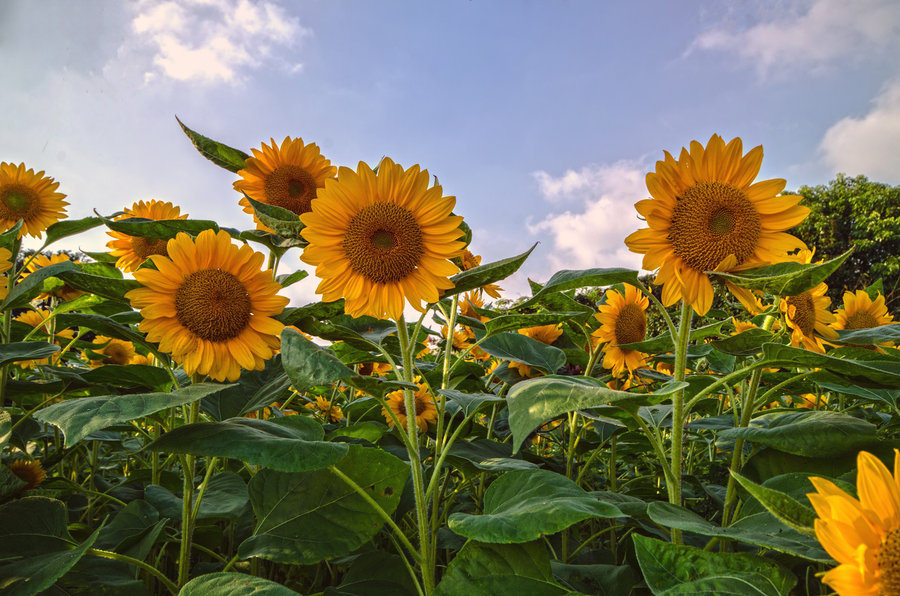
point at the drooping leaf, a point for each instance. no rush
(875, 335)
(308, 364)
(223, 156)
(32, 575)
(161, 229)
(29, 287)
(375, 573)
(99, 285)
(524, 349)
(867, 368)
(785, 508)
(282, 221)
(568, 279)
(223, 583)
(487, 273)
(26, 350)
(32, 526)
(745, 343)
(291, 278)
(130, 375)
(784, 279)
(471, 402)
(225, 498)
(483, 454)
(254, 390)
(70, 227)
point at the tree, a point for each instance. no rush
(855, 212)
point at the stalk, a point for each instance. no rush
(187, 526)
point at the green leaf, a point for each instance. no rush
(308, 364)
(512, 322)
(254, 390)
(536, 401)
(257, 442)
(523, 505)
(26, 350)
(30, 286)
(664, 343)
(785, 508)
(225, 498)
(600, 580)
(745, 343)
(283, 222)
(100, 285)
(77, 418)
(488, 273)
(470, 402)
(296, 510)
(129, 375)
(375, 573)
(291, 278)
(783, 279)
(10, 484)
(160, 229)
(521, 348)
(810, 434)
(5, 427)
(483, 454)
(223, 156)
(492, 569)
(70, 227)
(8, 238)
(223, 583)
(875, 335)
(674, 569)
(103, 326)
(25, 577)
(568, 279)
(33, 526)
(877, 370)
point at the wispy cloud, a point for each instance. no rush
(212, 41)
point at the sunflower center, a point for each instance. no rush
(712, 220)
(213, 304)
(116, 354)
(889, 565)
(290, 187)
(861, 320)
(384, 242)
(631, 324)
(804, 312)
(18, 201)
(144, 247)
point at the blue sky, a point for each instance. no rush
(542, 118)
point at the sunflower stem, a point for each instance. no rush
(678, 415)
(662, 309)
(187, 526)
(7, 315)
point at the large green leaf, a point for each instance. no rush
(784, 507)
(254, 390)
(568, 279)
(664, 342)
(486, 274)
(675, 569)
(33, 526)
(524, 349)
(305, 517)
(25, 350)
(375, 573)
(483, 454)
(161, 229)
(745, 343)
(129, 375)
(784, 279)
(867, 367)
(524, 505)
(595, 579)
(535, 401)
(471, 402)
(512, 322)
(233, 584)
(282, 221)
(28, 576)
(29, 287)
(308, 364)
(225, 498)
(257, 442)
(875, 335)
(78, 418)
(70, 227)
(100, 285)
(492, 569)
(223, 156)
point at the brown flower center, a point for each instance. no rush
(291, 187)
(712, 220)
(384, 242)
(631, 324)
(805, 312)
(213, 304)
(30, 471)
(861, 320)
(421, 406)
(889, 565)
(18, 201)
(144, 247)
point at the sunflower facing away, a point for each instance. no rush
(546, 334)
(210, 305)
(30, 197)
(106, 350)
(808, 317)
(426, 410)
(862, 535)
(622, 321)
(65, 292)
(861, 312)
(380, 239)
(134, 250)
(706, 213)
(30, 471)
(38, 318)
(287, 176)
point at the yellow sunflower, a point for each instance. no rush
(622, 321)
(862, 535)
(210, 305)
(106, 350)
(808, 317)
(38, 318)
(327, 408)
(546, 334)
(30, 471)
(380, 239)
(861, 312)
(706, 213)
(5, 265)
(426, 410)
(470, 261)
(741, 326)
(134, 250)
(30, 197)
(810, 401)
(64, 292)
(373, 369)
(288, 176)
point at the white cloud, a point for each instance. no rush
(868, 145)
(594, 236)
(214, 40)
(822, 31)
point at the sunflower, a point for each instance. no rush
(705, 213)
(741, 326)
(327, 408)
(426, 410)
(30, 197)
(134, 250)
(460, 337)
(622, 321)
(38, 318)
(373, 369)
(807, 315)
(65, 292)
(810, 401)
(380, 239)
(470, 261)
(5, 265)
(288, 176)
(106, 350)
(30, 471)
(862, 535)
(861, 312)
(546, 334)
(210, 305)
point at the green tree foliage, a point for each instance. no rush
(855, 212)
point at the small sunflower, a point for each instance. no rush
(30, 197)
(426, 410)
(106, 350)
(378, 240)
(327, 408)
(706, 214)
(546, 334)
(64, 292)
(622, 321)
(861, 312)
(30, 471)
(131, 251)
(288, 176)
(373, 369)
(470, 261)
(460, 337)
(809, 400)
(862, 535)
(808, 316)
(741, 326)
(210, 305)
(38, 318)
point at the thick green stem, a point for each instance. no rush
(678, 410)
(187, 526)
(7, 316)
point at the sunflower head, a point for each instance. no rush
(210, 305)
(28, 470)
(64, 292)
(374, 369)
(326, 408)
(706, 213)
(861, 312)
(426, 410)
(741, 326)
(623, 320)
(808, 317)
(31, 197)
(287, 176)
(106, 350)
(470, 261)
(131, 251)
(37, 319)
(378, 240)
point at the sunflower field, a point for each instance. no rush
(171, 424)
